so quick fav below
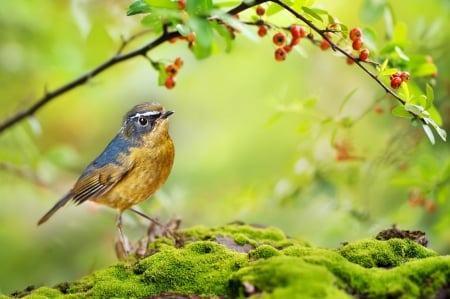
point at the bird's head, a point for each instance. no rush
(149, 120)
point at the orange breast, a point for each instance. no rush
(152, 166)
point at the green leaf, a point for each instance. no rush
(430, 96)
(273, 9)
(162, 4)
(183, 29)
(417, 110)
(370, 37)
(429, 133)
(372, 10)
(198, 7)
(383, 66)
(225, 34)
(388, 72)
(400, 111)
(404, 92)
(441, 132)
(424, 69)
(401, 54)
(153, 21)
(400, 33)
(312, 13)
(203, 37)
(434, 115)
(137, 7)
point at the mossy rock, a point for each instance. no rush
(237, 261)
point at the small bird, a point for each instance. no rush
(132, 167)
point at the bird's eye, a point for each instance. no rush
(143, 121)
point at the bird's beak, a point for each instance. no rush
(167, 114)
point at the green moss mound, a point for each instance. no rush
(237, 261)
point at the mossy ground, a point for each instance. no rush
(237, 261)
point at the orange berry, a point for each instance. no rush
(364, 55)
(324, 45)
(279, 39)
(191, 37)
(378, 109)
(260, 11)
(178, 62)
(280, 54)
(357, 44)
(350, 61)
(169, 83)
(404, 76)
(171, 70)
(430, 206)
(355, 34)
(262, 30)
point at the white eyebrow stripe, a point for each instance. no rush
(149, 113)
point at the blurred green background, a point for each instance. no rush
(254, 137)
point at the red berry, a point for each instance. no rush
(298, 31)
(355, 34)
(179, 62)
(404, 76)
(324, 45)
(260, 11)
(262, 30)
(280, 54)
(396, 74)
(287, 48)
(396, 82)
(294, 41)
(364, 55)
(357, 44)
(181, 4)
(169, 83)
(279, 39)
(350, 61)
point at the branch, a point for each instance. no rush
(117, 58)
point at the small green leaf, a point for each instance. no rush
(183, 29)
(441, 132)
(429, 133)
(372, 10)
(153, 21)
(388, 72)
(383, 66)
(404, 92)
(162, 4)
(225, 34)
(424, 69)
(400, 111)
(430, 96)
(370, 38)
(137, 7)
(401, 54)
(203, 37)
(312, 13)
(273, 9)
(416, 110)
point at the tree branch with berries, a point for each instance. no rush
(201, 23)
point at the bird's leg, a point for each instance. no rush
(122, 239)
(156, 222)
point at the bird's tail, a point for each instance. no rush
(55, 208)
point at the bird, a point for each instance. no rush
(133, 166)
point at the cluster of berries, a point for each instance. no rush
(398, 78)
(417, 199)
(171, 71)
(280, 39)
(355, 35)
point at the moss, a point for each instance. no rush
(373, 253)
(242, 260)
